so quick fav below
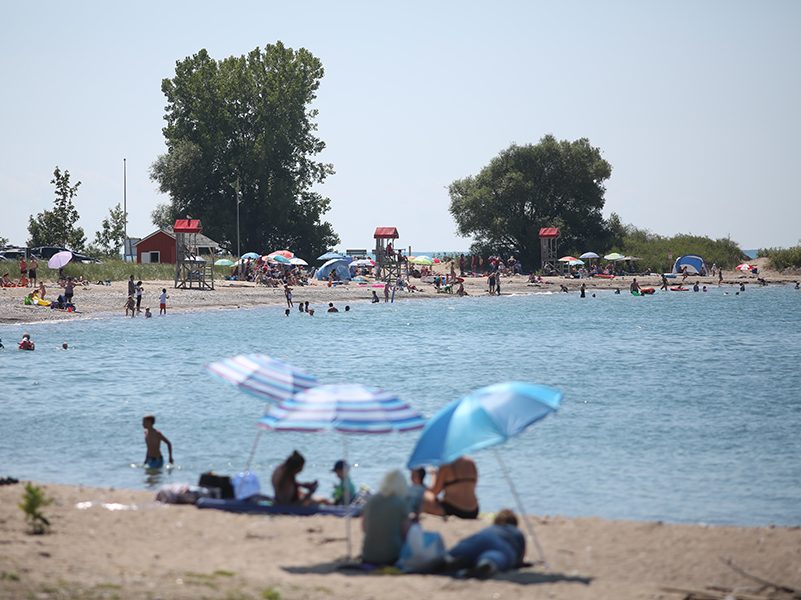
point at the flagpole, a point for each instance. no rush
(125, 209)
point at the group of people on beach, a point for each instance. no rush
(133, 303)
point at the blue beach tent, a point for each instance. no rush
(695, 264)
(339, 265)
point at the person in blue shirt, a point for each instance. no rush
(497, 548)
(342, 471)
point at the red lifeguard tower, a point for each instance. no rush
(386, 257)
(192, 271)
(549, 240)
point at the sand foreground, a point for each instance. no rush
(168, 551)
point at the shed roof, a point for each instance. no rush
(382, 233)
(187, 226)
(549, 232)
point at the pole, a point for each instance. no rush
(125, 209)
(238, 202)
(346, 491)
(520, 509)
(253, 449)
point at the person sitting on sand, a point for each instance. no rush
(6, 281)
(495, 549)
(42, 290)
(153, 440)
(286, 488)
(344, 490)
(457, 483)
(375, 299)
(460, 290)
(385, 521)
(26, 343)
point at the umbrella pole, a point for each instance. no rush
(346, 492)
(253, 449)
(519, 503)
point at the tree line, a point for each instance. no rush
(241, 156)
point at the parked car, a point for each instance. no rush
(12, 252)
(47, 252)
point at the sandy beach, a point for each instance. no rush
(108, 300)
(148, 550)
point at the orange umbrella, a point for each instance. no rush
(284, 253)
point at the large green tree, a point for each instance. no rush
(241, 129)
(549, 184)
(57, 227)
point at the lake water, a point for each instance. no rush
(684, 407)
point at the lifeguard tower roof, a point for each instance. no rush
(187, 226)
(386, 233)
(549, 232)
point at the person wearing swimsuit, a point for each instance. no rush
(457, 484)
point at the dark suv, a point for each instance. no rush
(47, 252)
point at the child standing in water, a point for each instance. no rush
(153, 440)
(163, 301)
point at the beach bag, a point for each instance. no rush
(218, 485)
(246, 484)
(422, 551)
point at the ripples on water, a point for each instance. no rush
(682, 407)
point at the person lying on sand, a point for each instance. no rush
(497, 548)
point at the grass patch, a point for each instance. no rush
(9, 576)
(223, 573)
(271, 593)
(782, 258)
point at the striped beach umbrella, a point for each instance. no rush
(262, 376)
(269, 379)
(346, 408)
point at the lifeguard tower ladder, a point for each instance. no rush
(549, 240)
(191, 270)
(389, 267)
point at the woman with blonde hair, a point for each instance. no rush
(386, 520)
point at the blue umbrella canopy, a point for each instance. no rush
(330, 255)
(259, 375)
(484, 418)
(251, 255)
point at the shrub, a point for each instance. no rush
(782, 258)
(33, 500)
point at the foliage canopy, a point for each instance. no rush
(549, 184)
(57, 227)
(240, 129)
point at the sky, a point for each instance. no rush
(696, 105)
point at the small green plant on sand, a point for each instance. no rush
(271, 594)
(33, 501)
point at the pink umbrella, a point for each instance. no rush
(59, 259)
(284, 253)
(744, 267)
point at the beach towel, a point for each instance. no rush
(264, 507)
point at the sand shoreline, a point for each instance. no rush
(159, 551)
(107, 301)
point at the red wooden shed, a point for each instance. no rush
(386, 233)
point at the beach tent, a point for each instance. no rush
(695, 264)
(339, 265)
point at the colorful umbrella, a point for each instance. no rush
(745, 267)
(250, 255)
(284, 253)
(223, 262)
(298, 261)
(330, 256)
(346, 408)
(568, 259)
(266, 378)
(587, 255)
(363, 262)
(59, 259)
(421, 260)
(486, 417)
(280, 258)
(614, 256)
(575, 262)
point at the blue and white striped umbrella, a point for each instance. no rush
(346, 408)
(259, 375)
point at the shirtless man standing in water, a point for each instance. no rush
(153, 439)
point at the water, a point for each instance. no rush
(684, 407)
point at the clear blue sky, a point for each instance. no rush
(697, 105)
